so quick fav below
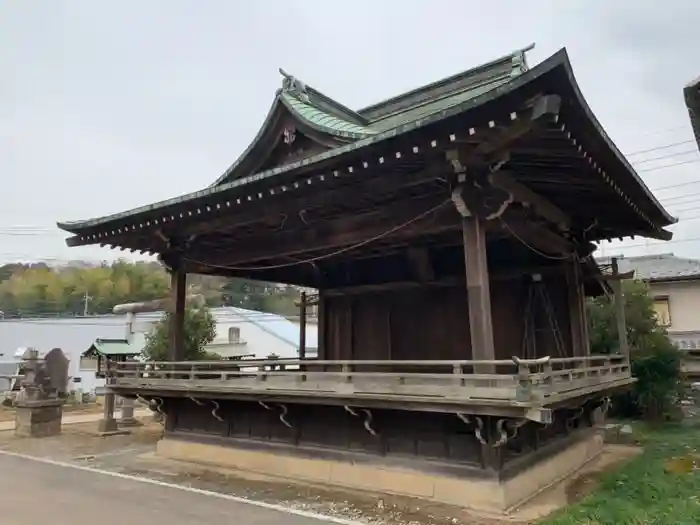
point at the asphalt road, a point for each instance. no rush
(33, 492)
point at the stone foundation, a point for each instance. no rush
(38, 418)
(489, 494)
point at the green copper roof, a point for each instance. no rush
(445, 93)
(112, 347)
(418, 109)
(323, 121)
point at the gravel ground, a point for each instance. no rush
(134, 454)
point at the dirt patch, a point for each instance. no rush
(79, 441)
(8, 413)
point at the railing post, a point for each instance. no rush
(107, 426)
(524, 391)
(458, 373)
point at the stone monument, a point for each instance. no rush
(39, 407)
(127, 413)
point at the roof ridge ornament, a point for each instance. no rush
(293, 86)
(519, 61)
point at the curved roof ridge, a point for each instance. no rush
(293, 85)
(516, 58)
(267, 123)
(322, 121)
(302, 102)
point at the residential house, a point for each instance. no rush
(238, 332)
(674, 284)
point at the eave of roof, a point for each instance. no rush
(691, 93)
(110, 347)
(558, 60)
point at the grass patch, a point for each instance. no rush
(660, 487)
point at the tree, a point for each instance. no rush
(200, 330)
(655, 360)
(32, 290)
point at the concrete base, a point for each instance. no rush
(38, 418)
(486, 495)
(108, 427)
(129, 422)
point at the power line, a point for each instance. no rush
(668, 166)
(657, 132)
(679, 185)
(668, 156)
(657, 148)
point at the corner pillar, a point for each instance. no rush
(621, 321)
(178, 289)
(302, 325)
(478, 292)
(580, 346)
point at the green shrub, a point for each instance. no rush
(655, 360)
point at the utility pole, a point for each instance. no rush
(85, 304)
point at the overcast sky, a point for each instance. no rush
(105, 106)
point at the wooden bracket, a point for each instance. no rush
(529, 198)
(476, 193)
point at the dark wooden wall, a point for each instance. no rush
(433, 322)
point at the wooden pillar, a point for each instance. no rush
(302, 326)
(585, 326)
(478, 291)
(321, 320)
(178, 288)
(577, 317)
(620, 310)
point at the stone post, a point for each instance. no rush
(127, 413)
(107, 426)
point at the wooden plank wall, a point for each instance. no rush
(433, 322)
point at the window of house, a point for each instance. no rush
(234, 335)
(88, 363)
(662, 310)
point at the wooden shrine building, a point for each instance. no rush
(449, 231)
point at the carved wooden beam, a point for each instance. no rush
(540, 111)
(476, 195)
(338, 233)
(529, 198)
(278, 207)
(536, 236)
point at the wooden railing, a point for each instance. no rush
(515, 380)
